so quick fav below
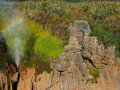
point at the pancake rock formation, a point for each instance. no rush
(85, 64)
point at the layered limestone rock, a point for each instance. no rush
(3, 82)
(85, 64)
(26, 79)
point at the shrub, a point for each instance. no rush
(85, 8)
(101, 13)
(4, 57)
(45, 45)
(94, 72)
(107, 37)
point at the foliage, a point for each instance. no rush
(3, 18)
(48, 46)
(40, 65)
(4, 57)
(85, 8)
(101, 13)
(107, 37)
(76, 1)
(57, 15)
(41, 46)
(45, 45)
(94, 72)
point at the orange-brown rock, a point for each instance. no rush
(25, 80)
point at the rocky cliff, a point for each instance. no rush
(85, 64)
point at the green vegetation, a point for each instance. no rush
(103, 17)
(39, 64)
(41, 46)
(48, 45)
(94, 72)
(45, 45)
(107, 37)
(3, 18)
(4, 57)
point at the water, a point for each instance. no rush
(15, 35)
(14, 32)
(17, 53)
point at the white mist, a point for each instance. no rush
(18, 52)
(16, 39)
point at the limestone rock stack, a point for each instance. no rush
(72, 70)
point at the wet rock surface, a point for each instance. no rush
(84, 64)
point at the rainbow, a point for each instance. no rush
(14, 33)
(12, 22)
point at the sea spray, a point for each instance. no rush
(18, 53)
(14, 32)
(15, 35)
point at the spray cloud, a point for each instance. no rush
(14, 32)
(16, 39)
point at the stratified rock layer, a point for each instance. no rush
(72, 70)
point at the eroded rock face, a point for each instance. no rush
(72, 70)
(26, 79)
(3, 82)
